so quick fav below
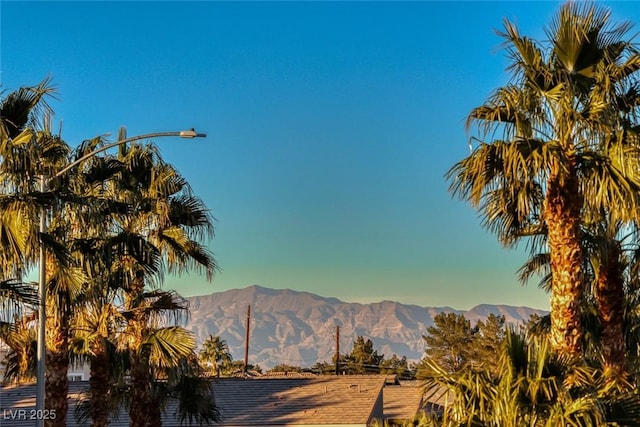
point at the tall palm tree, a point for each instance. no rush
(215, 354)
(161, 231)
(610, 266)
(94, 342)
(23, 112)
(145, 217)
(566, 147)
(28, 151)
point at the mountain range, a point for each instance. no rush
(299, 328)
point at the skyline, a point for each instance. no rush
(330, 128)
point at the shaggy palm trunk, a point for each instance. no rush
(562, 216)
(139, 355)
(141, 389)
(610, 299)
(155, 414)
(57, 366)
(99, 386)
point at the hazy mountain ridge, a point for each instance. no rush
(298, 328)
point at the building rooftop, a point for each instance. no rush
(403, 401)
(291, 401)
(281, 400)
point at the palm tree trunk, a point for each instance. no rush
(140, 389)
(562, 216)
(99, 386)
(610, 299)
(57, 367)
(139, 356)
(155, 414)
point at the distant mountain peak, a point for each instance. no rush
(298, 327)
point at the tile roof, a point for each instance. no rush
(403, 401)
(14, 398)
(283, 401)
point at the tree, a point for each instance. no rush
(397, 366)
(488, 341)
(183, 382)
(31, 151)
(449, 342)
(568, 148)
(215, 355)
(363, 357)
(20, 361)
(28, 151)
(283, 367)
(324, 368)
(609, 252)
(453, 344)
(163, 229)
(142, 220)
(534, 385)
(23, 144)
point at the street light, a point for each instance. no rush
(42, 293)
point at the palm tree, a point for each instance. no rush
(608, 263)
(22, 113)
(184, 381)
(142, 220)
(29, 150)
(215, 354)
(94, 341)
(534, 386)
(567, 148)
(20, 337)
(161, 230)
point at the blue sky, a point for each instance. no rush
(330, 127)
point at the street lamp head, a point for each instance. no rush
(191, 134)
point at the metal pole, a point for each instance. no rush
(42, 292)
(42, 313)
(182, 134)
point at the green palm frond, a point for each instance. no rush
(538, 264)
(168, 345)
(102, 169)
(189, 211)
(607, 186)
(535, 386)
(158, 305)
(53, 150)
(196, 403)
(87, 146)
(623, 408)
(20, 362)
(184, 254)
(23, 107)
(14, 235)
(66, 284)
(136, 247)
(15, 293)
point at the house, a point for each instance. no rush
(327, 401)
(18, 404)
(283, 400)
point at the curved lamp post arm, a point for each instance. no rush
(182, 134)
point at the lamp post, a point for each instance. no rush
(42, 292)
